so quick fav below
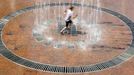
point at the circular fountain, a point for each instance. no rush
(37, 44)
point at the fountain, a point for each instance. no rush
(50, 20)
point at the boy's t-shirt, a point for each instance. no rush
(69, 14)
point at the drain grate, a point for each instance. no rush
(51, 68)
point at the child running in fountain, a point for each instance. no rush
(68, 19)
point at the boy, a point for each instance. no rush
(68, 18)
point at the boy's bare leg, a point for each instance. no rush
(68, 28)
(62, 30)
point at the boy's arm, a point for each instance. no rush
(74, 16)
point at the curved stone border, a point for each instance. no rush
(62, 69)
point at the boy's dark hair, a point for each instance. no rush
(71, 8)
